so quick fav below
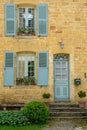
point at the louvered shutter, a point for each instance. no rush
(42, 19)
(43, 69)
(10, 21)
(8, 69)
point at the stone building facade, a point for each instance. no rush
(45, 41)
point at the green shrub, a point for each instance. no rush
(46, 95)
(37, 112)
(82, 94)
(13, 118)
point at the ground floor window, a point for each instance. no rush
(26, 69)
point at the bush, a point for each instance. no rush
(46, 95)
(82, 94)
(37, 112)
(13, 118)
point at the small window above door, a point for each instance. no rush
(61, 57)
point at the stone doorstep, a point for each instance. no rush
(67, 117)
(66, 110)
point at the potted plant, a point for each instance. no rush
(26, 31)
(46, 96)
(32, 81)
(17, 81)
(81, 95)
(32, 32)
(19, 31)
(26, 80)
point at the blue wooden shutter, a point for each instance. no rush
(42, 19)
(10, 21)
(43, 68)
(9, 69)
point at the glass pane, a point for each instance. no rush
(26, 17)
(61, 56)
(30, 17)
(33, 58)
(64, 77)
(64, 70)
(31, 66)
(21, 66)
(58, 77)
(21, 18)
(58, 70)
(63, 64)
(57, 64)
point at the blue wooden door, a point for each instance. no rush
(61, 76)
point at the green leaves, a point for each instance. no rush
(37, 112)
(13, 118)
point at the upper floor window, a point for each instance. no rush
(29, 20)
(26, 22)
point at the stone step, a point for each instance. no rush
(68, 114)
(65, 105)
(67, 117)
(68, 109)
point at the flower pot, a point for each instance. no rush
(19, 33)
(82, 104)
(33, 83)
(26, 33)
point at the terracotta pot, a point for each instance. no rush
(20, 33)
(26, 33)
(82, 104)
(33, 83)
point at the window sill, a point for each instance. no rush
(25, 84)
(25, 37)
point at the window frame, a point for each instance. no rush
(25, 55)
(35, 22)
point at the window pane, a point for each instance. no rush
(58, 65)
(21, 66)
(64, 70)
(58, 77)
(31, 68)
(58, 70)
(64, 65)
(26, 66)
(21, 19)
(64, 77)
(26, 17)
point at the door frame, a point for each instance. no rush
(68, 76)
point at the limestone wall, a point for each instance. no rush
(67, 22)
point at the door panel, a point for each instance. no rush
(61, 77)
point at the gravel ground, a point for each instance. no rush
(65, 125)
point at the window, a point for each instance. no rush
(28, 17)
(26, 68)
(26, 21)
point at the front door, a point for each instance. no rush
(61, 76)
